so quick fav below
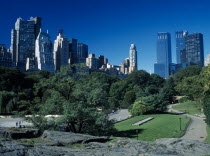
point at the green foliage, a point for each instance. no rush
(117, 92)
(140, 78)
(138, 108)
(155, 103)
(7, 102)
(186, 72)
(184, 99)
(11, 79)
(191, 87)
(129, 99)
(208, 132)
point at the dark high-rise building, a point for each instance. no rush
(100, 61)
(23, 41)
(82, 52)
(5, 57)
(194, 49)
(163, 54)
(73, 51)
(180, 46)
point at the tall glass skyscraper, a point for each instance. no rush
(163, 54)
(194, 49)
(23, 41)
(180, 46)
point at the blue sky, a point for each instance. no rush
(110, 26)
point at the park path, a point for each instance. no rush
(119, 115)
(196, 129)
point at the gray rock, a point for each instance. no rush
(18, 133)
(117, 147)
(64, 138)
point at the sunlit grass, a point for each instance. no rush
(162, 126)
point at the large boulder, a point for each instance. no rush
(19, 133)
(65, 138)
(53, 143)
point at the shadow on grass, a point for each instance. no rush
(131, 133)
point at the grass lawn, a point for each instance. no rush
(208, 132)
(190, 107)
(162, 126)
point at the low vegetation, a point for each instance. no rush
(189, 107)
(162, 126)
(208, 132)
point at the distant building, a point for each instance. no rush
(5, 57)
(194, 49)
(92, 62)
(164, 59)
(124, 67)
(61, 51)
(44, 52)
(133, 58)
(23, 41)
(73, 49)
(180, 46)
(207, 60)
(82, 52)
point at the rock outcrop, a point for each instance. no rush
(54, 143)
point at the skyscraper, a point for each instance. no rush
(23, 41)
(73, 51)
(92, 62)
(124, 67)
(194, 49)
(61, 51)
(163, 54)
(82, 52)
(133, 58)
(180, 46)
(5, 57)
(44, 52)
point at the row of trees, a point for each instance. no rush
(84, 99)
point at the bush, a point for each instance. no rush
(184, 99)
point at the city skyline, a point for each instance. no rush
(108, 28)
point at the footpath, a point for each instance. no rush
(196, 129)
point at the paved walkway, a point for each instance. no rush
(11, 122)
(119, 115)
(197, 128)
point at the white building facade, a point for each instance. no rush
(133, 58)
(61, 50)
(44, 52)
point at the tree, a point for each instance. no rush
(138, 108)
(186, 72)
(7, 102)
(129, 99)
(140, 78)
(155, 103)
(191, 87)
(84, 112)
(11, 79)
(206, 92)
(117, 93)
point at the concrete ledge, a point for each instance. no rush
(142, 121)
